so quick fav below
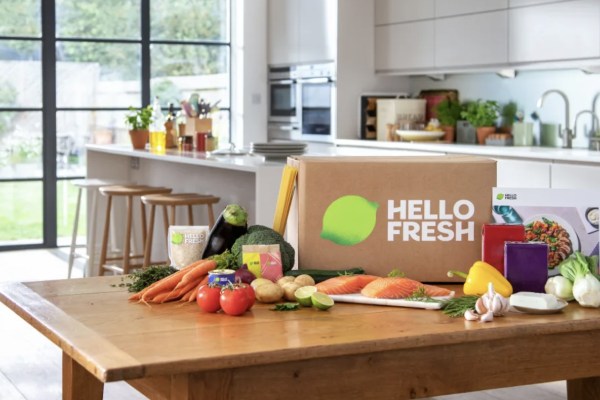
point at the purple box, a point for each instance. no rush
(526, 266)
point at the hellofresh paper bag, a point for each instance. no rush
(264, 261)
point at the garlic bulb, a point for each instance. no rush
(487, 317)
(471, 316)
(492, 302)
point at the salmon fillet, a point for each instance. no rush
(345, 284)
(399, 288)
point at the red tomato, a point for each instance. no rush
(251, 295)
(234, 300)
(208, 298)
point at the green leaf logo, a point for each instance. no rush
(349, 220)
(176, 238)
(500, 196)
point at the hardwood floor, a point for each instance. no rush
(30, 365)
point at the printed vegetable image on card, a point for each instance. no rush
(565, 220)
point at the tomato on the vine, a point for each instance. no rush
(234, 300)
(251, 295)
(208, 298)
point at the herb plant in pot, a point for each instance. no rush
(482, 115)
(448, 112)
(139, 122)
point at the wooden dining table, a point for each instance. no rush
(350, 352)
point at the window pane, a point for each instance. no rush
(192, 20)
(221, 128)
(77, 128)
(97, 74)
(20, 18)
(114, 19)
(177, 71)
(66, 205)
(20, 145)
(21, 213)
(20, 73)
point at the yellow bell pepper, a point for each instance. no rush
(480, 275)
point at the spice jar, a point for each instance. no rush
(201, 141)
(186, 143)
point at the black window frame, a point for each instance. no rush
(49, 109)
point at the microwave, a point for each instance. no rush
(302, 103)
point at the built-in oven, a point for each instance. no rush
(302, 102)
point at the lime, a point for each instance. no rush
(321, 301)
(304, 294)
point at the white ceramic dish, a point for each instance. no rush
(560, 304)
(419, 135)
(357, 298)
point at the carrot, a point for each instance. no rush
(195, 291)
(164, 285)
(187, 296)
(138, 295)
(177, 293)
(199, 272)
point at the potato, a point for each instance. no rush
(285, 279)
(259, 282)
(289, 289)
(269, 293)
(305, 280)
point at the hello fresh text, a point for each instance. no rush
(415, 220)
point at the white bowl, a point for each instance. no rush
(419, 135)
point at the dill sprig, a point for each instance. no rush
(457, 306)
(145, 277)
(420, 294)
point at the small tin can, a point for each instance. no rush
(221, 276)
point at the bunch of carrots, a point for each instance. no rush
(182, 285)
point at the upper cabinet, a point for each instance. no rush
(448, 8)
(559, 31)
(395, 11)
(469, 40)
(405, 46)
(318, 30)
(284, 32)
(302, 31)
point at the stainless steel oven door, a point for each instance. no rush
(283, 132)
(318, 109)
(283, 101)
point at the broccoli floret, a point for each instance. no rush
(258, 235)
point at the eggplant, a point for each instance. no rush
(231, 224)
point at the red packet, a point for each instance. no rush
(264, 261)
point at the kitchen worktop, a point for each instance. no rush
(580, 156)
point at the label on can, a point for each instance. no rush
(221, 276)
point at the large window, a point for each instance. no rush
(69, 70)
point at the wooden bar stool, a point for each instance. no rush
(128, 191)
(173, 201)
(92, 186)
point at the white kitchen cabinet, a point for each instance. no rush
(448, 8)
(318, 28)
(523, 174)
(525, 3)
(405, 46)
(565, 176)
(560, 31)
(395, 11)
(472, 40)
(284, 32)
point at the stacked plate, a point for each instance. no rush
(278, 150)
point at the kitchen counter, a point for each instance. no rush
(571, 156)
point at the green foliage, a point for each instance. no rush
(481, 113)
(138, 120)
(20, 18)
(508, 113)
(167, 92)
(448, 112)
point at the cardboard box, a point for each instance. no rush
(421, 215)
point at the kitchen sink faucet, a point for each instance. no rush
(566, 135)
(595, 122)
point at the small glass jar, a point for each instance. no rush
(186, 143)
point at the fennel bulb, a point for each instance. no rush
(587, 291)
(561, 287)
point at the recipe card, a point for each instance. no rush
(567, 220)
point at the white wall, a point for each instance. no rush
(525, 90)
(249, 71)
(356, 64)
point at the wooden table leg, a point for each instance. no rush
(78, 383)
(213, 385)
(584, 389)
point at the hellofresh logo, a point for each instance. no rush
(500, 196)
(349, 220)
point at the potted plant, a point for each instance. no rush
(508, 113)
(482, 115)
(448, 112)
(139, 122)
